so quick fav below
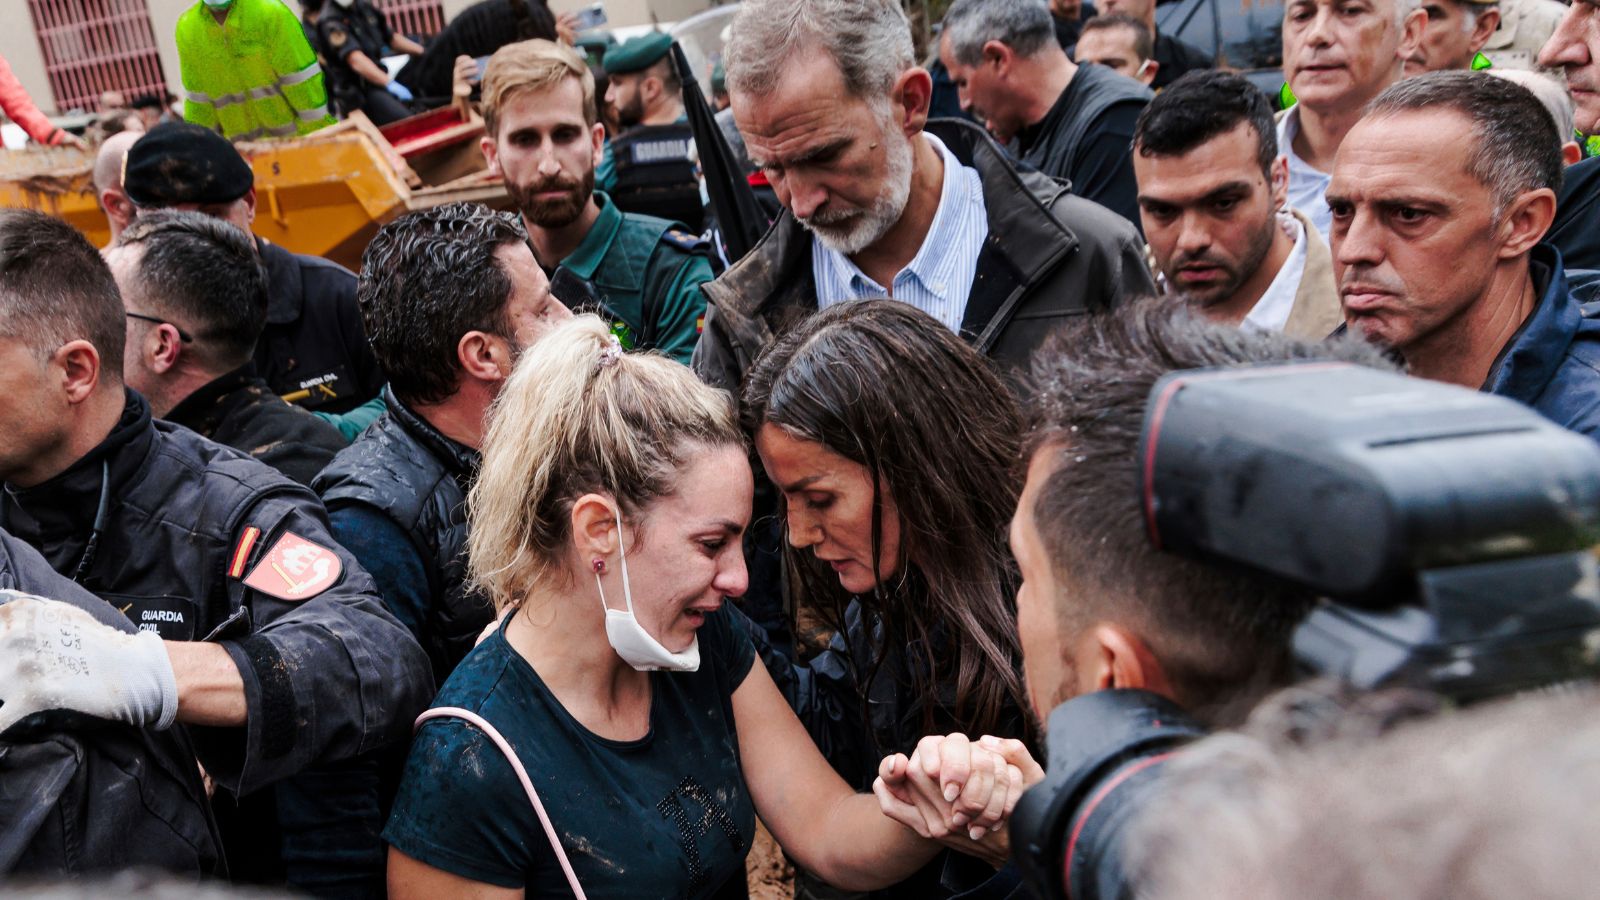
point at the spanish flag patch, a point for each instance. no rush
(241, 553)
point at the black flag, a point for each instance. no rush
(739, 215)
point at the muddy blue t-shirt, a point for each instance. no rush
(664, 816)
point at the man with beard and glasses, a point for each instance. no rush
(881, 203)
(1212, 190)
(1441, 197)
(543, 138)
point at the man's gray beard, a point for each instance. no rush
(850, 233)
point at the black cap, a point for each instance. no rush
(182, 163)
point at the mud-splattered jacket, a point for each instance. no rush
(239, 410)
(77, 797)
(199, 542)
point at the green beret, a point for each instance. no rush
(637, 54)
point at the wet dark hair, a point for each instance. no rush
(1219, 632)
(428, 278)
(1200, 106)
(889, 387)
(55, 288)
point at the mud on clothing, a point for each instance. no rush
(665, 816)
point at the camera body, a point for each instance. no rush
(1449, 533)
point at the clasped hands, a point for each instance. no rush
(958, 792)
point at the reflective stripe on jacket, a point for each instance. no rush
(254, 75)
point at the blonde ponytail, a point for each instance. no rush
(574, 419)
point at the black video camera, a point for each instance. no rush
(1450, 533)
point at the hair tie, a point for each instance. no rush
(610, 353)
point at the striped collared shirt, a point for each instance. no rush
(939, 278)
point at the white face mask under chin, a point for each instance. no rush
(629, 639)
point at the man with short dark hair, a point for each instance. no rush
(1174, 57)
(1212, 189)
(312, 351)
(451, 296)
(196, 300)
(1121, 44)
(270, 635)
(1068, 121)
(1441, 197)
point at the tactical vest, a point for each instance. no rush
(418, 478)
(656, 174)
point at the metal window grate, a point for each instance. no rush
(91, 46)
(413, 17)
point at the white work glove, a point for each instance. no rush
(400, 91)
(54, 656)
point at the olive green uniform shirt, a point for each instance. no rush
(642, 265)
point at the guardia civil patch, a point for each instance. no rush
(295, 569)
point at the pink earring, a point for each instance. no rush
(599, 566)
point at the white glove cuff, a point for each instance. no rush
(151, 685)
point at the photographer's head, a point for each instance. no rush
(1490, 802)
(1099, 607)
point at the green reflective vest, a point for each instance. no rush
(252, 76)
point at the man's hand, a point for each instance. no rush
(958, 792)
(54, 656)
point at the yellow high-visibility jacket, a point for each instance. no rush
(254, 75)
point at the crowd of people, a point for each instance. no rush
(320, 580)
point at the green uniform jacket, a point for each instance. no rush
(638, 263)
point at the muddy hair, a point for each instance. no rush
(889, 387)
(579, 417)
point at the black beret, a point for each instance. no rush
(182, 163)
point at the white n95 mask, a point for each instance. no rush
(626, 636)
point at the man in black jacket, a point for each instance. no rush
(273, 644)
(312, 351)
(1070, 121)
(196, 300)
(452, 295)
(878, 205)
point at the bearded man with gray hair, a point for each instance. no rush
(882, 203)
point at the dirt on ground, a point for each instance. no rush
(770, 875)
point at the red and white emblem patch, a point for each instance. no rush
(295, 569)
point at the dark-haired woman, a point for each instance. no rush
(893, 445)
